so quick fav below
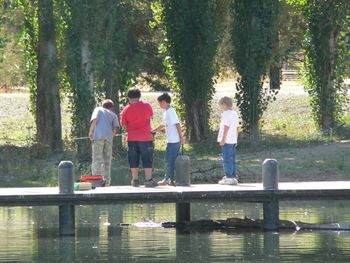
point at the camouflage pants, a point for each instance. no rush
(101, 159)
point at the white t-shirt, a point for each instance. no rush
(170, 119)
(229, 118)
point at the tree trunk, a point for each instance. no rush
(254, 134)
(275, 76)
(48, 109)
(112, 88)
(275, 67)
(85, 90)
(196, 121)
(87, 65)
(253, 90)
(328, 93)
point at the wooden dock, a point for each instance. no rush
(182, 196)
(41, 196)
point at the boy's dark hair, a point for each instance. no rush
(164, 97)
(108, 104)
(134, 94)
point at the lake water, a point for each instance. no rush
(131, 233)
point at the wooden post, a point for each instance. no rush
(66, 186)
(270, 183)
(183, 212)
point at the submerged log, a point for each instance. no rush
(331, 226)
(248, 223)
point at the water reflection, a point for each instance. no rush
(271, 245)
(31, 235)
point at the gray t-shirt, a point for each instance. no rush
(106, 121)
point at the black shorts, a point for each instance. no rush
(143, 150)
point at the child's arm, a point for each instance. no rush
(223, 140)
(179, 130)
(115, 131)
(159, 128)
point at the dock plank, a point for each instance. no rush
(335, 190)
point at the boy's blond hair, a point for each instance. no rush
(226, 100)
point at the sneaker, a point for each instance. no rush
(228, 181)
(150, 183)
(135, 182)
(172, 183)
(163, 182)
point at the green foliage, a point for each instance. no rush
(291, 29)
(2, 37)
(29, 40)
(253, 35)
(327, 50)
(192, 37)
(119, 43)
(60, 30)
(12, 71)
(105, 42)
(157, 24)
(288, 43)
(76, 24)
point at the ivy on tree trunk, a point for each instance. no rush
(253, 35)
(327, 50)
(192, 37)
(79, 71)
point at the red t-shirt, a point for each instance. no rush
(137, 120)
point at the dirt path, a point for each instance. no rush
(329, 161)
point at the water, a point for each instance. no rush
(30, 234)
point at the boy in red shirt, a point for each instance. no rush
(136, 117)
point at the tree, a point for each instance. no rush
(39, 43)
(253, 35)
(2, 38)
(327, 50)
(118, 45)
(192, 37)
(29, 41)
(104, 43)
(48, 110)
(78, 35)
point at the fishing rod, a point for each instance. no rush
(87, 137)
(116, 135)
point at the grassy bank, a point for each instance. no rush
(288, 134)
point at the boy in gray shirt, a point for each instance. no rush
(104, 125)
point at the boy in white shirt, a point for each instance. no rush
(227, 138)
(174, 137)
